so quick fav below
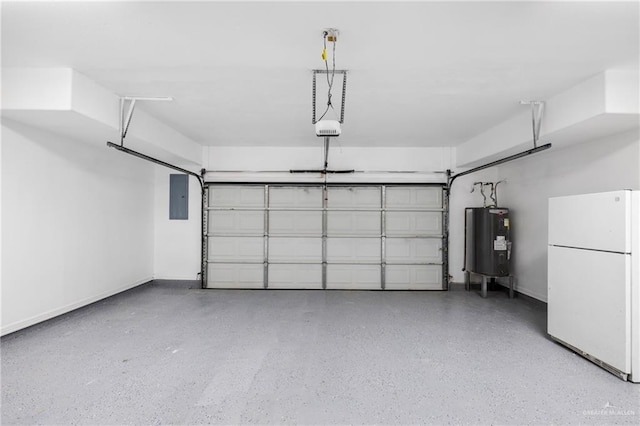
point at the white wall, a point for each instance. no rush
(606, 164)
(68, 103)
(602, 105)
(311, 157)
(177, 242)
(77, 224)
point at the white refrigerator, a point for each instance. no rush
(593, 278)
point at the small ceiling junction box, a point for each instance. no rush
(331, 34)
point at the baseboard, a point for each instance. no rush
(532, 295)
(189, 284)
(19, 325)
(520, 292)
(177, 278)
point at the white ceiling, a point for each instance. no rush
(420, 73)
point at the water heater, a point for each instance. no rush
(487, 241)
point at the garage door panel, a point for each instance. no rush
(236, 196)
(236, 222)
(229, 275)
(349, 277)
(238, 249)
(354, 197)
(413, 277)
(353, 223)
(414, 197)
(413, 223)
(299, 222)
(295, 250)
(353, 250)
(295, 197)
(292, 276)
(413, 250)
(293, 244)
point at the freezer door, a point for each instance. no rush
(595, 221)
(589, 303)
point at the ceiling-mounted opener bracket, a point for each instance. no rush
(313, 92)
(128, 104)
(537, 108)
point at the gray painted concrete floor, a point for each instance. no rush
(163, 353)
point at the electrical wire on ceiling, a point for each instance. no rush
(331, 36)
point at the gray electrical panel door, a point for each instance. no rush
(178, 197)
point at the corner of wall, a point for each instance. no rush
(605, 164)
(176, 245)
(36, 89)
(93, 239)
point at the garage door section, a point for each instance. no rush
(354, 230)
(413, 238)
(334, 237)
(294, 246)
(236, 234)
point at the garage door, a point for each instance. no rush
(324, 237)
